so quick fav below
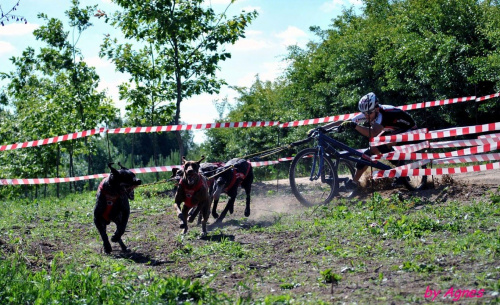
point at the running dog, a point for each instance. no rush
(236, 172)
(193, 191)
(112, 204)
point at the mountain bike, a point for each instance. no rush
(318, 174)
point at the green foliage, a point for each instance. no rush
(416, 267)
(181, 44)
(49, 248)
(328, 276)
(405, 51)
(51, 93)
(75, 285)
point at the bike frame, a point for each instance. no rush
(332, 147)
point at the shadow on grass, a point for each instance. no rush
(244, 224)
(140, 258)
(218, 237)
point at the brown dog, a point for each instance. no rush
(193, 192)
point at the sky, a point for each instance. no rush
(280, 23)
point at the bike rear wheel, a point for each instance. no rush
(414, 183)
(312, 191)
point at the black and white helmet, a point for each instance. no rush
(368, 102)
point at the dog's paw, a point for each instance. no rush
(183, 225)
(247, 212)
(215, 215)
(115, 239)
(202, 235)
(191, 218)
(108, 250)
(231, 209)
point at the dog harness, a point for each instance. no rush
(190, 190)
(111, 199)
(237, 175)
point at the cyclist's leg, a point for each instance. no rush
(360, 169)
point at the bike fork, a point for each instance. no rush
(316, 174)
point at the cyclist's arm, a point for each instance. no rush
(371, 131)
(332, 124)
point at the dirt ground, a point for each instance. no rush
(269, 201)
(154, 238)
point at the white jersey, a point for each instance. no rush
(390, 117)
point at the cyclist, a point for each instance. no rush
(374, 120)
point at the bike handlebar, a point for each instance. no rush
(314, 134)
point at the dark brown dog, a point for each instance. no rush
(193, 192)
(236, 172)
(112, 204)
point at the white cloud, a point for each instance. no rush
(199, 109)
(292, 36)
(6, 48)
(337, 5)
(112, 91)
(269, 72)
(249, 44)
(97, 62)
(18, 29)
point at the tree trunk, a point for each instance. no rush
(179, 98)
(58, 161)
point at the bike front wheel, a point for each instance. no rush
(309, 185)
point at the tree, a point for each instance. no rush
(6, 16)
(54, 93)
(405, 51)
(182, 43)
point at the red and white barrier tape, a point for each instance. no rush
(468, 159)
(461, 143)
(327, 119)
(412, 147)
(230, 124)
(422, 156)
(145, 170)
(487, 97)
(67, 137)
(192, 127)
(87, 133)
(488, 136)
(437, 103)
(435, 171)
(263, 163)
(437, 134)
(49, 180)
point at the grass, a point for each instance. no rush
(375, 251)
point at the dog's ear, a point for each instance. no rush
(202, 158)
(174, 171)
(121, 166)
(113, 170)
(184, 159)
